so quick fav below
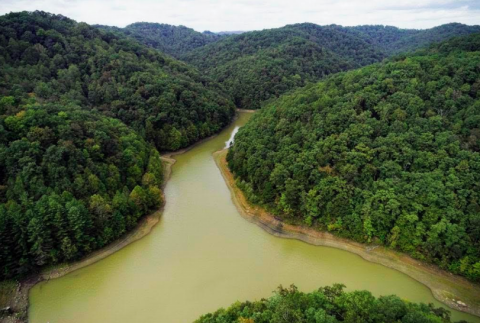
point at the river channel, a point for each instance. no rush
(203, 255)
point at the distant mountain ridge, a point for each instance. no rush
(171, 40)
(261, 65)
(394, 40)
(232, 32)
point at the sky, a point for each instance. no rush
(232, 15)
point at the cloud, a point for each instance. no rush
(219, 15)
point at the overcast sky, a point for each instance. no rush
(221, 15)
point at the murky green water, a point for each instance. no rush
(201, 256)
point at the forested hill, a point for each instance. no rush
(56, 59)
(330, 304)
(173, 40)
(71, 181)
(393, 40)
(257, 66)
(388, 154)
(260, 65)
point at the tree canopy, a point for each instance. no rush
(172, 40)
(71, 181)
(388, 153)
(330, 304)
(255, 67)
(59, 60)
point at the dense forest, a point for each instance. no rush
(261, 65)
(386, 154)
(59, 60)
(329, 304)
(393, 40)
(71, 181)
(257, 66)
(172, 40)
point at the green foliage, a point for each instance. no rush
(327, 305)
(257, 66)
(173, 40)
(393, 40)
(389, 154)
(261, 65)
(71, 181)
(57, 59)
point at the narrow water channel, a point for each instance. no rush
(203, 255)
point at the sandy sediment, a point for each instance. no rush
(452, 290)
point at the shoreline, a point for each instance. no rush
(20, 302)
(447, 288)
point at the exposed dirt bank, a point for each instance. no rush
(447, 288)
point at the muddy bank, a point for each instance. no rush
(18, 299)
(454, 291)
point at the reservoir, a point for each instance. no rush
(203, 255)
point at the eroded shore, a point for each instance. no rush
(447, 288)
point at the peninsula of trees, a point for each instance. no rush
(386, 154)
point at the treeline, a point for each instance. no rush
(71, 181)
(172, 40)
(329, 304)
(387, 154)
(59, 60)
(258, 66)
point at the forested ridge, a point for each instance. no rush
(328, 304)
(257, 66)
(59, 60)
(71, 181)
(386, 154)
(173, 40)
(261, 65)
(394, 40)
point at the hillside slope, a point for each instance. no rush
(71, 181)
(57, 59)
(172, 40)
(257, 66)
(394, 40)
(389, 154)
